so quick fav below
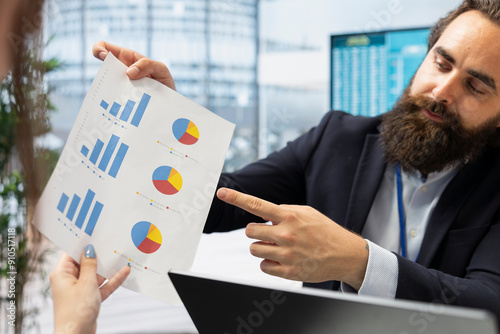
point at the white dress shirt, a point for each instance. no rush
(382, 231)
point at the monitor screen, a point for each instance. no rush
(370, 71)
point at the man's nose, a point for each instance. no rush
(446, 88)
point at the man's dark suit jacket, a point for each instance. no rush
(337, 168)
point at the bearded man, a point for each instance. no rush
(423, 191)
(405, 205)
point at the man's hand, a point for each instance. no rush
(138, 65)
(302, 244)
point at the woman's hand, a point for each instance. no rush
(76, 294)
(138, 65)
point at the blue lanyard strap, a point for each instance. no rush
(402, 225)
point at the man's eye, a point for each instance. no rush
(440, 65)
(473, 89)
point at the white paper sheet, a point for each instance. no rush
(136, 179)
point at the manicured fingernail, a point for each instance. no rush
(90, 251)
(133, 71)
(103, 55)
(222, 193)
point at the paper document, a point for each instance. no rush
(136, 179)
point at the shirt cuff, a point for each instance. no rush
(381, 277)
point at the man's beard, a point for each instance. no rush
(417, 143)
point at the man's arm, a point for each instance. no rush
(301, 244)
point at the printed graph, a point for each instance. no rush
(127, 109)
(107, 155)
(185, 131)
(146, 237)
(81, 217)
(167, 180)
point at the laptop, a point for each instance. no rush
(222, 306)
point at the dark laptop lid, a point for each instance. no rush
(221, 306)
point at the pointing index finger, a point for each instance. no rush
(252, 204)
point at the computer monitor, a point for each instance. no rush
(369, 71)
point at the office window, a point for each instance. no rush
(209, 47)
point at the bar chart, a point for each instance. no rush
(81, 217)
(127, 109)
(107, 155)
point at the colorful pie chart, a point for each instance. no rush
(185, 131)
(167, 180)
(146, 237)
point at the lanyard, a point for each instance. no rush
(402, 224)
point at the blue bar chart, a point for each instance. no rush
(107, 155)
(128, 109)
(81, 217)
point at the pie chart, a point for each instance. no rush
(146, 237)
(167, 180)
(185, 131)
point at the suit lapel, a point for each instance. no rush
(369, 173)
(451, 202)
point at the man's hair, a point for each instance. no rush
(489, 8)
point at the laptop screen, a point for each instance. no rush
(221, 306)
